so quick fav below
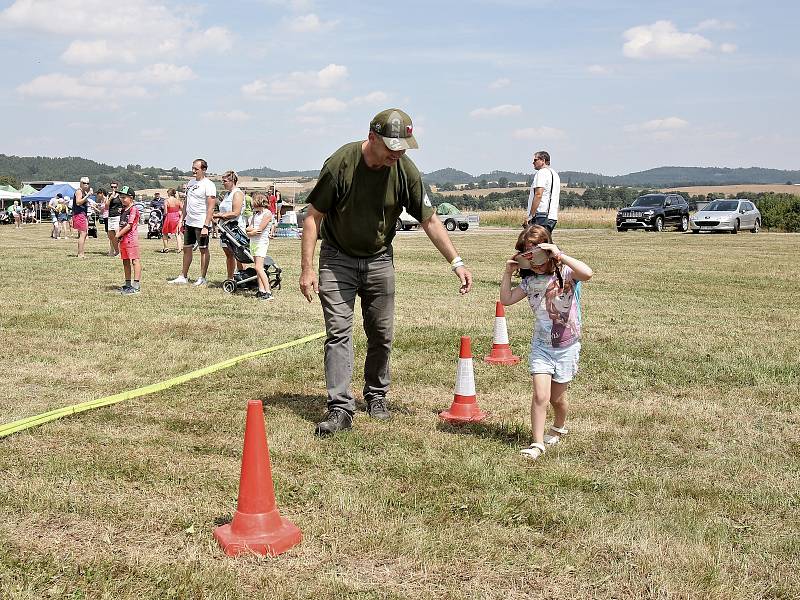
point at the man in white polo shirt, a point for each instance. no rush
(545, 193)
(201, 198)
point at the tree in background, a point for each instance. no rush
(10, 180)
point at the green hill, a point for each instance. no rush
(72, 168)
(267, 173)
(658, 177)
(447, 176)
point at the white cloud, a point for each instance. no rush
(95, 88)
(504, 110)
(498, 84)
(309, 23)
(323, 105)
(539, 133)
(599, 70)
(371, 98)
(715, 25)
(296, 5)
(91, 29)
(57, 87)
(231, 115)
(663, 40)
(255, 89)
(728, 48)
(297, 83)
(658, 125)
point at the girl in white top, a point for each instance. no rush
(258, 232)
(231, 209)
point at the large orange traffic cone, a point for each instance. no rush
(465, 406)
(257, 526)
(501, 350)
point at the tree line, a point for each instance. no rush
(778, 211)
(16, 169)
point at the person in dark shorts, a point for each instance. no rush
(201, 199)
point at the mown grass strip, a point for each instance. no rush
(28, 422)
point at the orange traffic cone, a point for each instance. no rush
(257, 526)
(464, 407)
(501, 351)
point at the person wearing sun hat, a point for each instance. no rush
(354, 207)
(128, 238)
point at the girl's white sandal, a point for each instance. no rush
(534, 451)
(554, 435)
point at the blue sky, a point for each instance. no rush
(608, 87)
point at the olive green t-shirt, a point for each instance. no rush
(361, 205)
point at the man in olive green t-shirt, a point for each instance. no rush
(361, 191)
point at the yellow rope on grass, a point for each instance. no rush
(28, 422)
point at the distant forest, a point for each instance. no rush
(659, 177)
(26, 168)
(17, 169)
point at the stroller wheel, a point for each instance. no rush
(229, 285)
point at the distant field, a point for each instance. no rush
(486, 192)
(702, 190)
(568, 218)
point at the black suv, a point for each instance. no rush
(654, 211)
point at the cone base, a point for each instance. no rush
(453, 418)
(272, 543)
(463, 412)
(502, 360)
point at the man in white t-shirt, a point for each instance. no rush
(201, 199)
(545, 192)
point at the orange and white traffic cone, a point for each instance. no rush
(464, 408)
(501, 350)
(257, 526)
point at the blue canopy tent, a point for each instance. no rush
(47, 192)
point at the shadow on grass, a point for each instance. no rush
(513, 434)
(306, 406)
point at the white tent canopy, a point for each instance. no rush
(4, 195)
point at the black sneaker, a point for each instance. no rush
(376, 407)
(337, 419)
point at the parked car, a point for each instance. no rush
(405, 221)
(727, 215)
(655, 211)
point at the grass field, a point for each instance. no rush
(680, 477)
(568, 218)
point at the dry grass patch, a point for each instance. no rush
(568, 218)
(680, 476)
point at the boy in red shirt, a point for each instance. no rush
(128, 237)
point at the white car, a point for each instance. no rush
(726, 215)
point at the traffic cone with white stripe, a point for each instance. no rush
(464, 408)
(501, 350)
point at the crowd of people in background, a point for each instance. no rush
(185, 220)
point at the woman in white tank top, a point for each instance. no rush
(231, 209)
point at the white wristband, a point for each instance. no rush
(456, 263)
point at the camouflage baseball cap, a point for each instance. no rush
(396, 129)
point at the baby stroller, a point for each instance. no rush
(239, 243)
(154, 223)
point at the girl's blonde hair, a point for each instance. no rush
(172, 192)
(260, 201)
(231, 175)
